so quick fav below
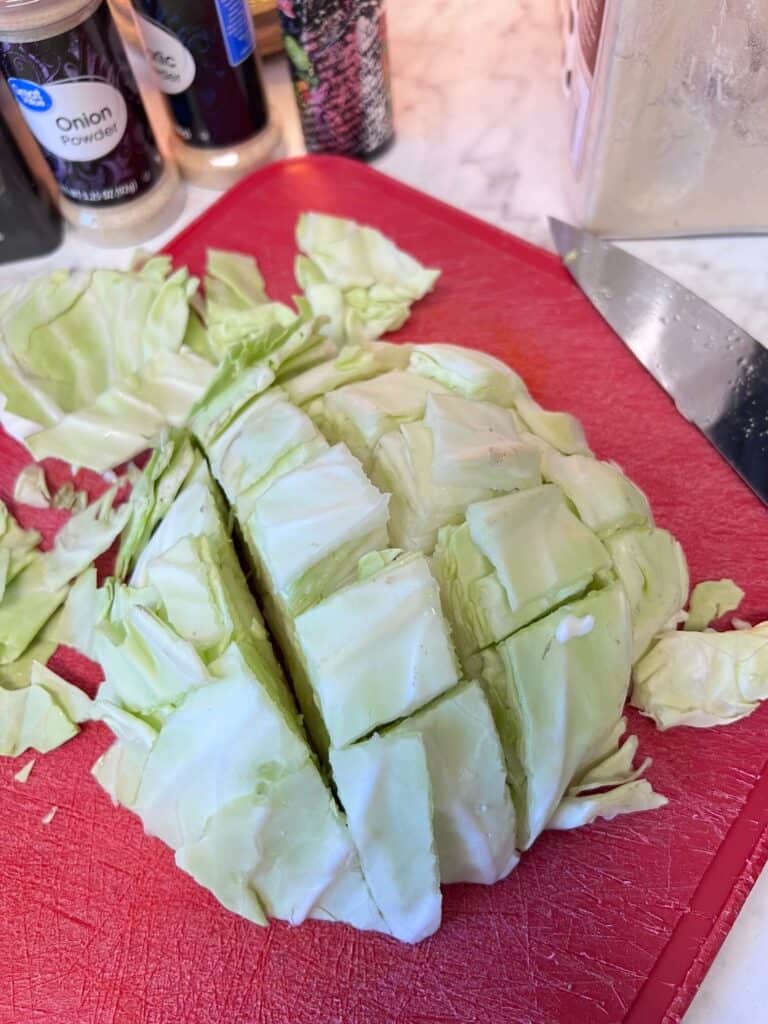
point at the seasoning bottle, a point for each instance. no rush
(337, 51)
(68, 72)
(30, 224)
(205, 61)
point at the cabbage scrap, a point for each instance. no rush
(42, 714)
(94, 364)
(608, 788)
(237, 307)
(356, 277)
(32, 596)
(31, 488)
(18, 548)
(703, 679)
(710, 600)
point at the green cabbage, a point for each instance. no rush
(604, 499)
(473, 814)
(468, 373)
(282, 851)
(249, 368)
(270, 438)
(384, 787)
(403, 466)
(651, 565)
(119, 769)
(559, 429)
(353, 363)
(313, 524)
(477, 444)
(557, 693)
(210, 751)
(513, 559)
(359, 414)
(463, 452)
(377, 649)
(173, 461)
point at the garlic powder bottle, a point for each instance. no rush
(205, 61)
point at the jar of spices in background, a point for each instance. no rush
(68, 72)
(337, 51)
(205, 62)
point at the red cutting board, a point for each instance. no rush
(614, 922)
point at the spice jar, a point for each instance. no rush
(205, 61)
(68, 72)
(337, 51)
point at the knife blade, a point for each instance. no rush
(714, 371)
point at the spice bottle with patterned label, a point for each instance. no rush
(67, 70)
(338, 56)
(205, 61)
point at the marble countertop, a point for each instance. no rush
(479, 117)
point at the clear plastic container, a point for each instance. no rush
(668, 116)
(68, 72)
(205, 61)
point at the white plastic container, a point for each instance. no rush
(68, 72)
(668, 106)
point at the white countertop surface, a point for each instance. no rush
(479, 119)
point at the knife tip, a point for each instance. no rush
(563, 235)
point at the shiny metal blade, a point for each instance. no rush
(715, 372)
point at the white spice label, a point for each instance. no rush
(77, 119)
(173, 63)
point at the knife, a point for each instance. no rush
(714, 371)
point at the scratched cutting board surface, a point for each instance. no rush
(614, 922)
